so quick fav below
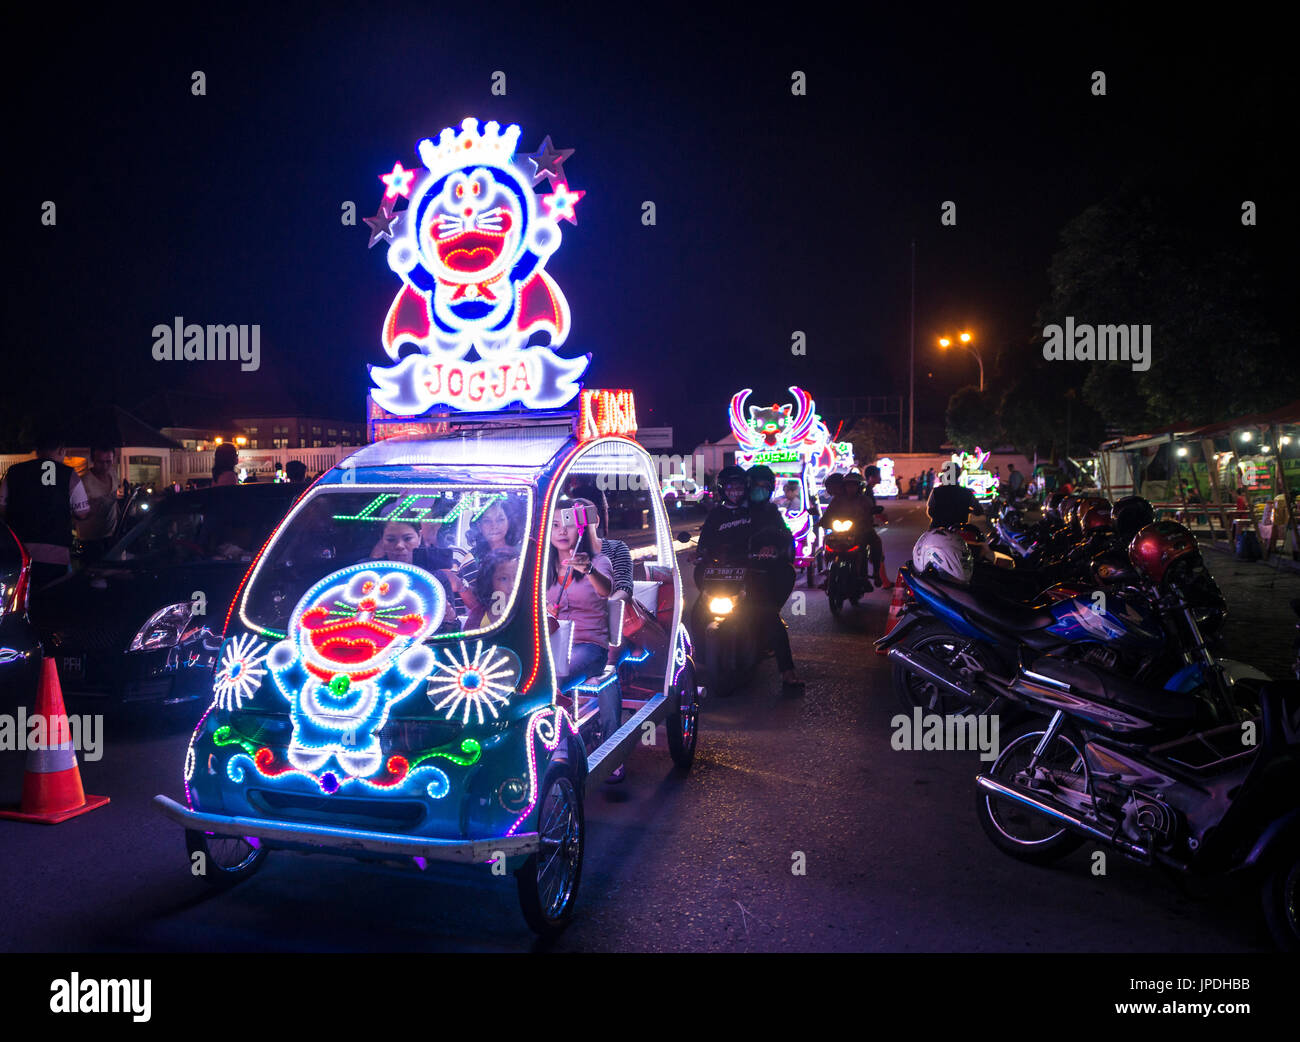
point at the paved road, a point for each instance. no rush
(893, 857)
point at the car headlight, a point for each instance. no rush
(164, 628)
(841, 526)
(721, 605)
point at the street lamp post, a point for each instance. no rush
(965, 339)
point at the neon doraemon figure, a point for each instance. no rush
(353, 650)
(476, 302)
(473, 249)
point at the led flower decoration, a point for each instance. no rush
(241, 672)
(473, 683)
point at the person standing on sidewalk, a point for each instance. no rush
(39, 499)
(100, 482)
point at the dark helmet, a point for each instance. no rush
(1097, 517)
(833, 483)
(731, 475)
(1053, 507)
(854, 478)
(1160, 546)
(761, 475)
(1130, 515)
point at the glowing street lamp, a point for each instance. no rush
(965, 339)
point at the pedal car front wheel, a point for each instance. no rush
(223, 861)
(548, 880)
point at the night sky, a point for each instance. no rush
(775, 213)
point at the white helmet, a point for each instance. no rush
(945, 551)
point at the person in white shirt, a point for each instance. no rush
(100, 482)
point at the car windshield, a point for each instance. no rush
(470, 539)
(216, 529)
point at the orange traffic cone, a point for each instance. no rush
(895, 607)
(52, 789)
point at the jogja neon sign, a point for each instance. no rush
(471, 247)
(604, 413)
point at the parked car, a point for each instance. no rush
(20, 647)
(144, 623)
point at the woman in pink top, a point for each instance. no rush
(580, 582)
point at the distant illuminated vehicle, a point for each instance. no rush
(679, 490)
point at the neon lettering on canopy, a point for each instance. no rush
(605, 413)
(470, 247)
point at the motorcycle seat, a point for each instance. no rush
(1161, 707)
(992, 609)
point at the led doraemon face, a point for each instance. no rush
(471, 235)
(352, 626)
(353, 650)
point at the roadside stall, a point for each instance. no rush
(374, 700)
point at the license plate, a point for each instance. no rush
(733, 574)
(72, 666)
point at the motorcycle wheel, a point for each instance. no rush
(915, 692)
(1016, 830)
(834, 591)
(1280, 894)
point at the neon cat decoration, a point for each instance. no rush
(354, 650)
(774, 427)
(471, 248)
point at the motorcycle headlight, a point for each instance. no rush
(721, 605)
(164, 628)
(841, 526)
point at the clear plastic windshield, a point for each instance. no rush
(469, 538)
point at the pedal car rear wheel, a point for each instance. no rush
(683, 723)
(548, 880)
(222, 861)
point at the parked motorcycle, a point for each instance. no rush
(1135, 621)
(1156, 776)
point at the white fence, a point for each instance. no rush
(166, 465)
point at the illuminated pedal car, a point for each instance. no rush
(370, 702)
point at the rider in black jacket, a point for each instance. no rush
(772, 549)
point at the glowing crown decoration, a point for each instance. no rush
(476, 302)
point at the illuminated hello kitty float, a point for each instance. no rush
(471, 248)
(354, 649)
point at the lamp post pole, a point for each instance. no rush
(911, 373)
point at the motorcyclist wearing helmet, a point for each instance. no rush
(855, 503)
(951, 504)
(772, 575)
(724, 537)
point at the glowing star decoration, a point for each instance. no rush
(473, 683)
(398, 182)
(240, 673)
(382, 223)
(548, 161)
(560, 203)
(353, 650)
(471, 252)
